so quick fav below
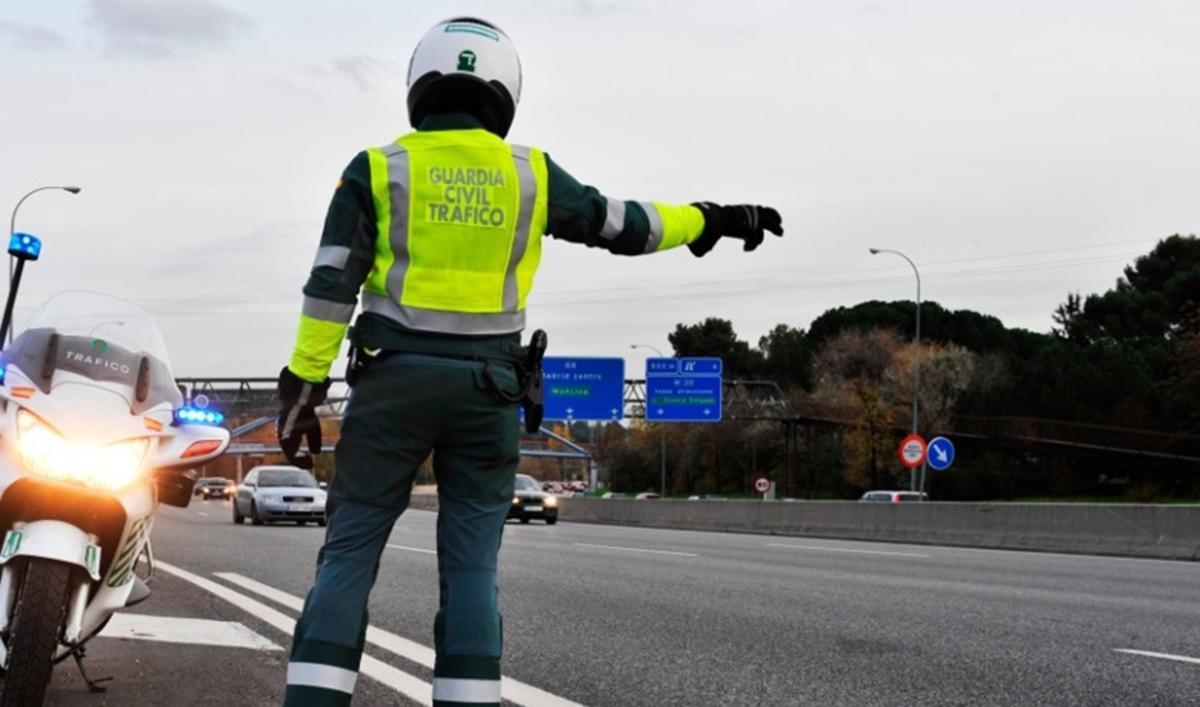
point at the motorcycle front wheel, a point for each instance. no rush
(37, 621)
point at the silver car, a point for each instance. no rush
(279, 493)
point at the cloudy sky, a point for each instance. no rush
(1017, 150)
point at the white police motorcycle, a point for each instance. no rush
(93, 436)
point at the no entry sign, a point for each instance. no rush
(912, 451)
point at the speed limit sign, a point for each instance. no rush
(912, 451)
(762, 484)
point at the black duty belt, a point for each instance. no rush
(525, 360)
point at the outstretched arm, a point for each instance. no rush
(343, 261)
(581, 214)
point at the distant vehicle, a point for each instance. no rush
(894, 496)
(707, 497)
(214, 487)
(613, 494)
(648, 496)
(275, 493)
(530, 501)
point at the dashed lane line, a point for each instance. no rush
(1163, 656)
(176, 629)
(820, 548)
(512, 690)
(413, 549)
(408, 685)
(648, 551)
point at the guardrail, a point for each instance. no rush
(1163, 532)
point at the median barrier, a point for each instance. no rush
(1165, 532)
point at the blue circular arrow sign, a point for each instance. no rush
(941, 454)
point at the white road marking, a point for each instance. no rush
(174, 629)
(512, 690)
(409, 686)
(204, 514)
(638, 549)
(847, 549)
(412, 549)
(1164, 656)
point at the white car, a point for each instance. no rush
(279, 493)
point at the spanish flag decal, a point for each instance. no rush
(23, 392)
(152, 424)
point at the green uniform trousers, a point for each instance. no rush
(403, 408)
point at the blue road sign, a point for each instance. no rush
(941, 454)
(683, 389)
(584, 389)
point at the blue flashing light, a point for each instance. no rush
(25, 246)
(198, 416)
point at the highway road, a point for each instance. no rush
(605, 615)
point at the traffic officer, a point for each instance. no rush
(441, 231)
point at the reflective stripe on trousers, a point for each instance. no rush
(469, 691)
(326, 676)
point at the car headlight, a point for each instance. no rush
(516, 500)
(46, 453)
(550, 501)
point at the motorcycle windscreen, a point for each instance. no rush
(101, 338)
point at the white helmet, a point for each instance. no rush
(465, 65)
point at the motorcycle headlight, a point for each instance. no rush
(46, 453)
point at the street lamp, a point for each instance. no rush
(916, 353)
(12, 224)
(662, 428)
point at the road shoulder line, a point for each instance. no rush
(512, 690)
(408, 685)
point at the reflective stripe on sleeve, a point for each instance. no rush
(469, 691)
(614, 219)
(326, 676)
(332, 256)
(656, 226)
(327, 311)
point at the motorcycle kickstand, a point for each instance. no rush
(94, 686)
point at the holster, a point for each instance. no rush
(531, 394)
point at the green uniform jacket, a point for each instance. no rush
(576, 213)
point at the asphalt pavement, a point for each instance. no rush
(607, 615)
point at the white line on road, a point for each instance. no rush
(175, 629)
(411, 687)
(204, 514)
(1164, 656)
(512, 690)
(412, 549)
(637, 549)
(847, 549)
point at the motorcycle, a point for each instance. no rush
(94, 434)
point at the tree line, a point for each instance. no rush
(1124, 359)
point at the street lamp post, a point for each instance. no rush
(916, 355)
(12, 224)
(662, 429)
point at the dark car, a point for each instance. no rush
(529, 502)
(214, 487)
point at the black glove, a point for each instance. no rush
(742, 221)
(298, 417)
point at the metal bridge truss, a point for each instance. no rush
(751, 400)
